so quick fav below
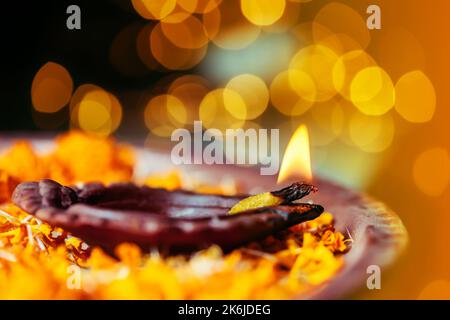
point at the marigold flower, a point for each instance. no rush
(77, 153)
(170, 181)
(7, 185)
(23, 163)
(335, 241)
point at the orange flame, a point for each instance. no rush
(296, 164)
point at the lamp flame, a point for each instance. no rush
(296, 164)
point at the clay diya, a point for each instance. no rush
(185, 221)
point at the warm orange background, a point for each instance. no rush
(424, 270)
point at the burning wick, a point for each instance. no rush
(296, 164)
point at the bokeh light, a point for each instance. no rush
(188, 33)
(171, 56)
(342, 22)
(327, 123)
(51, 88)
(143, 48)
(346, 68)
(254, 92)
(292, 92)
(189, 79)
(318, 62)
(190, 90)
(415, 98)
(431, 171)
(289, 18)
(154, 9)
(93, 117)
(178, 15)
(303, 33)
(372, 91)
(263, 12)
(371, 134)
(227, 27)
(95, 110)
(214, 114)
(198, 6)
(164, 113)
(339, 43)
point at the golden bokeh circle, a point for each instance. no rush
(371, 133)
(318, 62)
(302, 32)
(93, 117)
(339, 43)
(164, 113)
(214, 114)
(189, 33)
(198, 6)
(171, 56)
(415, 97)
(178, 15)
(431, 171)
(327, 123)
(154, 9)
(346, 68)
(190, 90)
(372, 91)
(289, 18)
(143, 48)
(51, 88)
(263, 12)
(227, 27)
(96, 93)
(189, 78)
(292, 92)
(254, 92)
(95, 110)
(342, 21)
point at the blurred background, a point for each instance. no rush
(375, 101)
